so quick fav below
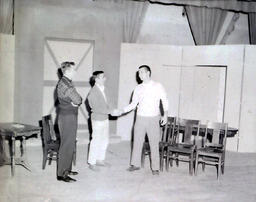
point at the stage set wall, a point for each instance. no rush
(168, 62)
(98, 21)
(7, 69)
(35, 21)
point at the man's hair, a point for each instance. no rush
(146, 67)
(96, 73)
(94, 76)
(66, 65)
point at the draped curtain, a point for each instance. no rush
(230, 28)
(205, 23)
(252, 27)
(6, 16)
(232, 5)
(133, 19)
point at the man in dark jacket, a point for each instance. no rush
(69, 101)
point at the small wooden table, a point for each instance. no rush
(18, 131)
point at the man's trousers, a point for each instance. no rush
(99, 142)
(67, 127)
(150, 126)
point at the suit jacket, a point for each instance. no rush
(99, 106)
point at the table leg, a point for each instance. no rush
(12, 155)
(23, 159)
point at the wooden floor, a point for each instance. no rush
(116, 184)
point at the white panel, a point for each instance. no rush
(48, 102)
(200, 93)
(51, 69)
(57, 51)
(7, 69)
(164, 62)
(247, 141)
(232, 57)
(160, 57)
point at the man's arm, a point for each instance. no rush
(76, 99)
(134, 102)
(96, 106)
(165, 104)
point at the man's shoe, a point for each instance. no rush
(65, 179)
(155, 172)
(133, 168)
(102, 163)
(94, 167)
(73, 173)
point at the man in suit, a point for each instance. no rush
(100, 109)
(69, 101)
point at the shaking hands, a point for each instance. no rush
(116, 112)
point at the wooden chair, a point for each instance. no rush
(166, 136)
(214, 147)
(51, 143)
(182, 148)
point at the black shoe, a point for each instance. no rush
(65, 179)
(155, 172)
(133, 168)
(73, 173)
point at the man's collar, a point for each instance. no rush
(65, 77)
(101, 87)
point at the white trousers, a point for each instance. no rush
(99, 142)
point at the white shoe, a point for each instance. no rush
(102, 163)
(94, 167)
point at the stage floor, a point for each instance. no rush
(115, 184)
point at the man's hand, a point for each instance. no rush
(116, 112)
(74, 105)
(163, 120)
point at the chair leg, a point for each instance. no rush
(203, 166)
(167, 160)
(177, 160)
(222, 168)
(196, 164)
(50, 158)
(219, 168)
(44, 159)
(191, 163)
(161, 159)
(142, 159)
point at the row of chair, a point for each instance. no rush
(190, 141)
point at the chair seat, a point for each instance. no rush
(183, 148)
(213, 152)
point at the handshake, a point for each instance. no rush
(117, 112)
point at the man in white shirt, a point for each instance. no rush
(147, 97)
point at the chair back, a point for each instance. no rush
(216, 134)
(190, 130)
(48, 129)
(168, 129)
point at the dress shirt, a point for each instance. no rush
(101, 87)
(146, 97)
(67, 93)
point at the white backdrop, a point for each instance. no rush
(55, 52)
(205, 93)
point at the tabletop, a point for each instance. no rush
(18, 129)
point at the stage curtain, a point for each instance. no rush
(246, 6)
(252, 27)
(205, 23)
(133, 19)
(6, 16)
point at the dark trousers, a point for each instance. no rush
(67, 128)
